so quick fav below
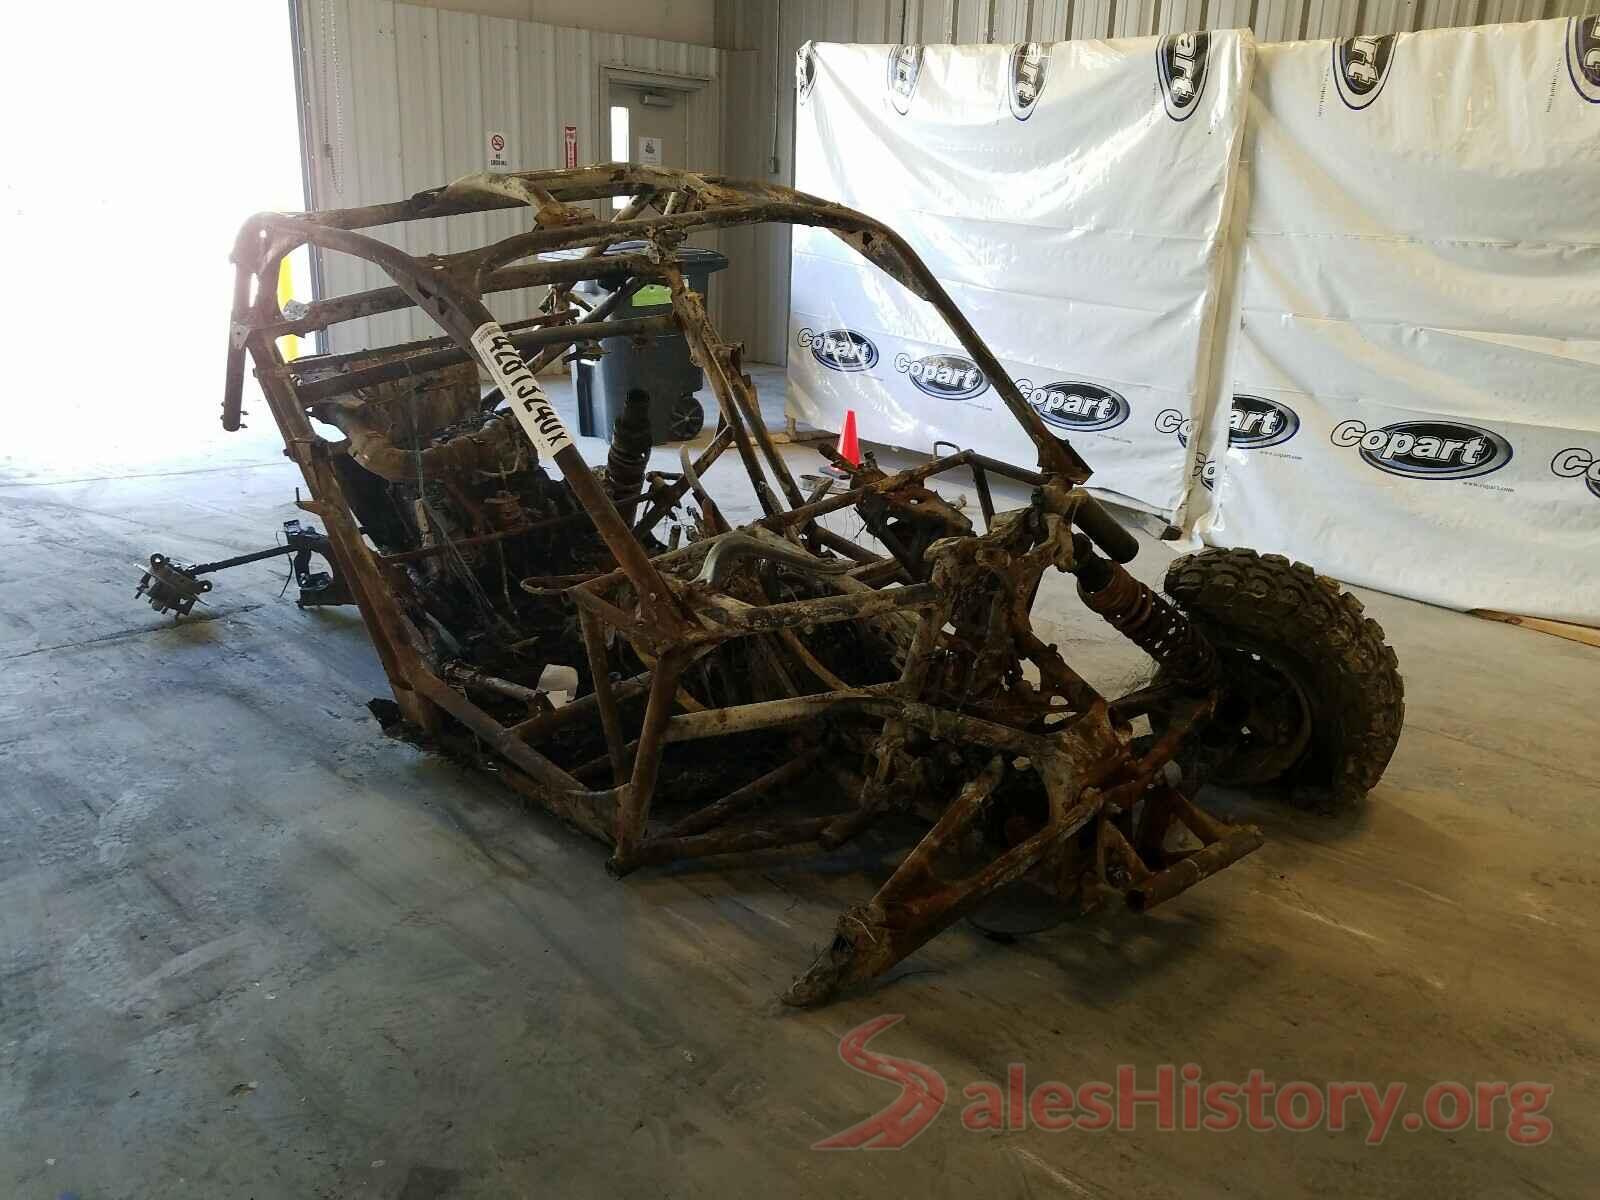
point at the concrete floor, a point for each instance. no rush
(249, 947)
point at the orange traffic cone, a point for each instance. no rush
(849, 446)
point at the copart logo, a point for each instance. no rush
(1426, 449)
(1181, 63)
(840, 349)
(1256, 422)
(1578, 463)
(1170, 420)
(1026, 77)
(905, 64)
(947, 376)
(1583, 56)
(1361, 67)
(805, 71)
(1075, 405)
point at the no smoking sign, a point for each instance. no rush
(497, 146)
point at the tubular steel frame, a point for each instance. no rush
(1110, 800)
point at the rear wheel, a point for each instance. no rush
(686, 419)
(1311, 693)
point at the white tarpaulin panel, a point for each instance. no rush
(1418, 350)
(1072, 198)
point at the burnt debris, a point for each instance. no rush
(737, 689)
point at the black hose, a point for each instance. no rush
(1103, 529)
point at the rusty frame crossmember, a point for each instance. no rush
(1091, 809)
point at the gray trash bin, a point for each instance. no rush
(663, 367)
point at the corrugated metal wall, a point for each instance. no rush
(760, 111)
(759, 125)
(374, 140)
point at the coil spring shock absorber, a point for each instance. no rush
(1144, 618)
(630, 451)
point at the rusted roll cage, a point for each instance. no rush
(1089, 807)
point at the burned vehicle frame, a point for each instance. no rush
(727, 672)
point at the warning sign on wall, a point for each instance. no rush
(499, 152)
(650, 151)
(570, 133)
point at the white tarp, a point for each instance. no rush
(1418, 350)
(1071, 197)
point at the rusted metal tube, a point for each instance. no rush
(980, 481)
(824, 610)
(730, 841)
(592, 767)
(765, 714)
(492, 732)
(633, 812)
(1203, 863)
(588, 812)
(322, 313)
(233, 382)
(599, 312)
(843, 545)
(538, 726)
(313, 366)
(599, 673)
(809, 512)
(715, 814)
(663, 503)
(999, 466)
(419, 364)
(472, 678)
(481, 539)
(720, 361)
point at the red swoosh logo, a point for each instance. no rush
(922, 1093)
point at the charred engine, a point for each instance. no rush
(455, 499)
(483, 539)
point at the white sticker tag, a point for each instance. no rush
(517, 384)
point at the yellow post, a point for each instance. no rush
(289, 344)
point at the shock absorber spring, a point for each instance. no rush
(1147, 620)
(630, 451)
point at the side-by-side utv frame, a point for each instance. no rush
(777, 684)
